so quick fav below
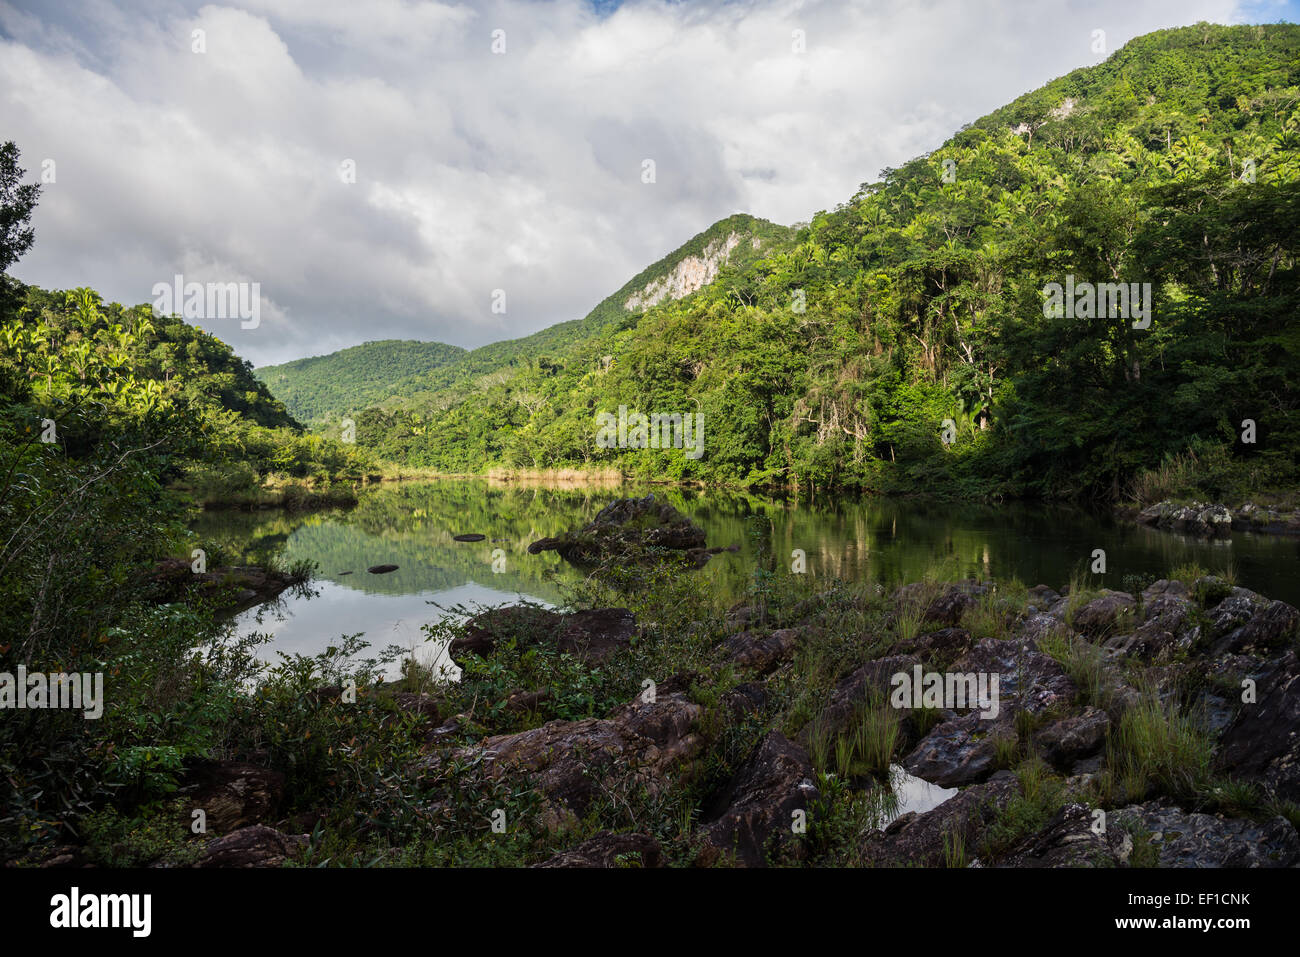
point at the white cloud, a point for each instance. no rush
(478, 171)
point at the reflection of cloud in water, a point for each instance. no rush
(913, 794)
(308, 624)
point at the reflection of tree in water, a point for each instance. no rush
(411, 525)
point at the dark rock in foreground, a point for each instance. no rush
(757, 814)
(857, 690)
(232, 794)
(939, 605)
(255, 846)
(572, 763)
(761, 652)
(1205, 840)
(1263, 742)
(1070, 839)
(608, 849)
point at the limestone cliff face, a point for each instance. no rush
(692, 273)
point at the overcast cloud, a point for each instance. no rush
(478, 171)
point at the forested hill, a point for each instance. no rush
(403, 372)
(75, 332)
(316, 388)
(914, 313)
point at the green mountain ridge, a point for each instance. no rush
(899, 341)
(399, 372)
(319, 387)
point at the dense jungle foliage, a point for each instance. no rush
(834, 360)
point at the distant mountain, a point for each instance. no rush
(395, 373)
(321, 387)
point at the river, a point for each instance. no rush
(412, 526)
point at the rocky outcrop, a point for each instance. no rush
(938, 649)
(630, 529)
(761, 652)
(255, 846)
(1205, 840)
(1078, 736)
(961, 750)
(1105, 615)
(1263, 742)
(764, 808)
(689, 275)
(1270, 627)
(1169, 629)
(1198, 518)
(965, 748)
(638, 747)
(1069, 839)
(864, 686)
(1028, 679)
(1213, 520)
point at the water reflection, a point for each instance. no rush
(413, 526)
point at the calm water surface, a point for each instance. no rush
(411, 525)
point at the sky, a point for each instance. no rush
(469, 172)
